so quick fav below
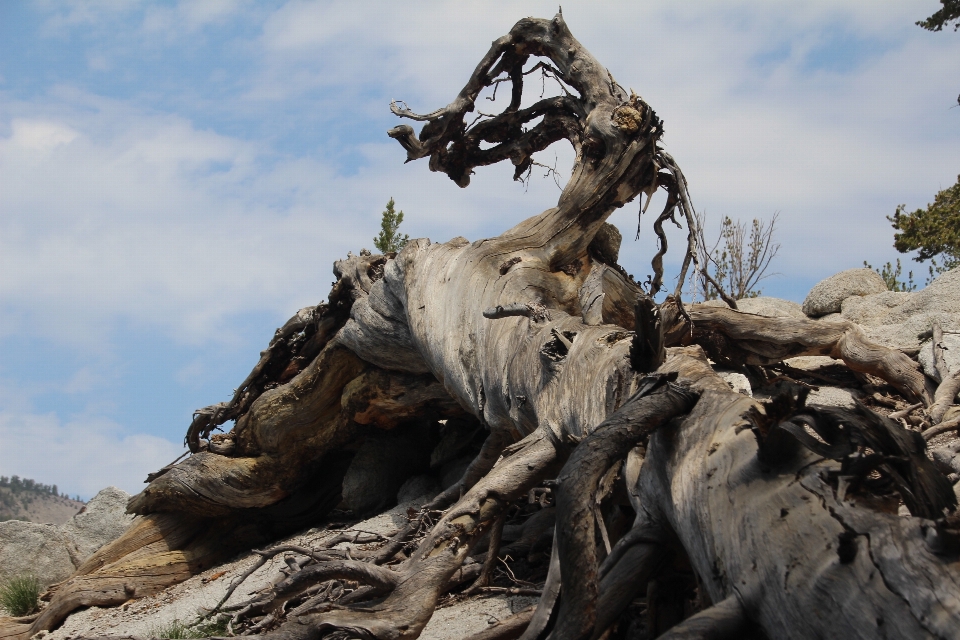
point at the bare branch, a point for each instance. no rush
(613, 135)
(536, 312)
(405, 112)
(943, 427)
(716, 285)
(740, 258)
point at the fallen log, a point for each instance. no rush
(538, 335)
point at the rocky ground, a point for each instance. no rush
(185, 603)
(401, 460)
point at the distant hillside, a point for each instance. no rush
(25, 499)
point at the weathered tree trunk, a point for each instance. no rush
(802, 549)
(535, 334)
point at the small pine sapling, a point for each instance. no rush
(389, 240)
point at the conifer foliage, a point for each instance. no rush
(932, 232)
(390, 240)
(949, 12)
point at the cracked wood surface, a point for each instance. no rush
(774, 538)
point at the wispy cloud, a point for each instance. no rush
(185, 18)
(80, 456)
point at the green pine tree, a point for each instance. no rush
(389, 240)
(933, 232)
(950, 12)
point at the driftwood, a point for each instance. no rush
(748, 517)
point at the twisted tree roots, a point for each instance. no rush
(668, 503)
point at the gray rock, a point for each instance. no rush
(947, 458)
(469, 617)
(896, 319)
(832, 317)
(102, 520)
(771, 307)
(828, 295)
(416, 487)
(607, 243)
(876, 308)
(382, 464)
(143, 617)
(40, 550)
(832, 397)
(737, 381)
(52, 552)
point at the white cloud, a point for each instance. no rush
(80, 456)
(150, 221)
(133, 216)
(39, 135)
(102, 16)
(83, 381)
(68, 13)
(98, 62)
(305, 26)
(192, 373)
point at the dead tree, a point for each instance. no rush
(782, 517)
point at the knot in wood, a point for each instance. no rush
(509, 263)
(572, 269)
(533, 310)
(627, 118)
(847, 547)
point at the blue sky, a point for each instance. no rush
(176, 179)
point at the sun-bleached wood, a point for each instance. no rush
(533, 333)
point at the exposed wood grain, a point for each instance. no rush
(657, 402)
(785, 544)
(944, 396)
(723, 621)
(743, 338)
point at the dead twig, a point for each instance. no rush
(265, 556)
(513, 591)
(496, 535)
(903, 413)
(943, 427)
(716, 285)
